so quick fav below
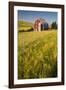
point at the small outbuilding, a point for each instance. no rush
(41, 24)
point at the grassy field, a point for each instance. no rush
(37, 54)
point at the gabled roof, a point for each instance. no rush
(40, 20)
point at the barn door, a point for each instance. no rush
(39, 27)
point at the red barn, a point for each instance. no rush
(40, 24)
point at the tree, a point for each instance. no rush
(54, 25)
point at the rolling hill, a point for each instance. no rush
(24, 25)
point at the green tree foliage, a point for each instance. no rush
(54, 25)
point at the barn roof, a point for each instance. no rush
(41, 20)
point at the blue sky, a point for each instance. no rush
(31, 16)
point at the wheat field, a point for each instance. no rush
(37, 54)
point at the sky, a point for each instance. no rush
(31, 16)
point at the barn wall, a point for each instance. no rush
(39, 26)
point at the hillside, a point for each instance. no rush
(24, 25)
